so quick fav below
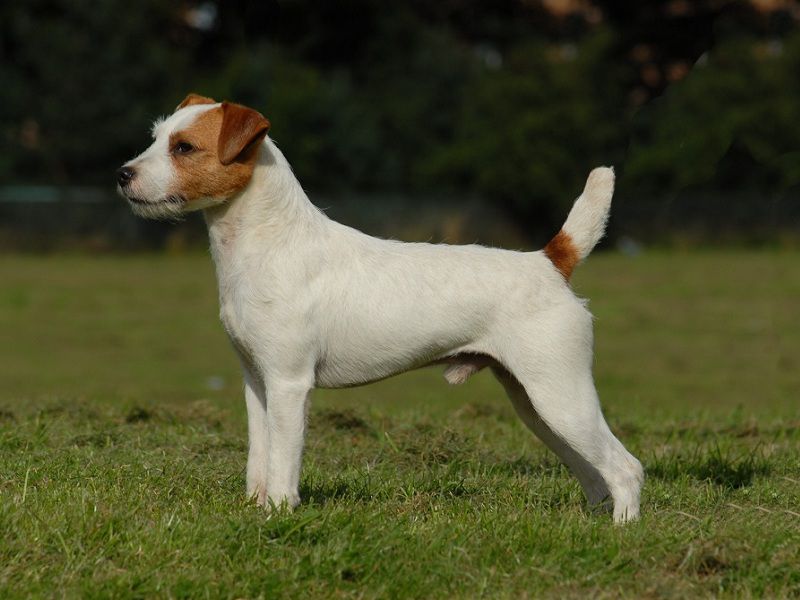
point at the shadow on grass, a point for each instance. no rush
(198, 413)
(545, 467)
(342, 420)
(318, 490)
(713, 465)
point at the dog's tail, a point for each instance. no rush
(585, 224)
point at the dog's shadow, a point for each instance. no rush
(441, 462)
(721, 468)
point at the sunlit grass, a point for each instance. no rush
(123, 444)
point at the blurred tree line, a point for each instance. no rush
(511, 101)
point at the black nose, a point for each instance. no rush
(124, 176)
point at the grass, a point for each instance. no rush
(123, 444)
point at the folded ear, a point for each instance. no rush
(242, 128)
(195, 99)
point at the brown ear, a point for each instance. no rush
(195, 99)
(242, 127)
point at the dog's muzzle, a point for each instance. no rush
(125, 175)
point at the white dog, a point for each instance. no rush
(308, 302)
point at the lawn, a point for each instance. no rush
(123, 445)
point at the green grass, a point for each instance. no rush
(123, 444)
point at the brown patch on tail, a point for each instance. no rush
(562, 253)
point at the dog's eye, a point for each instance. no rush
(183, 148)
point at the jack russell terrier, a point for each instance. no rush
(308, 302)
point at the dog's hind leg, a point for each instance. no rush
(550, 384)
(590, 479)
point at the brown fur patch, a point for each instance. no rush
(562, 253)
(202, 173)
(241, 127)
(192, 99)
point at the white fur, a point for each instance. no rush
(308, 302)
(586, 222)
(149, 194)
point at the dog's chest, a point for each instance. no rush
(230, 314)
(244, 310)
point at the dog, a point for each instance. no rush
(308, 302)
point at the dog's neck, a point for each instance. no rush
(272, 206)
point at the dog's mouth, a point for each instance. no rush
(174, 200)
(168, 208)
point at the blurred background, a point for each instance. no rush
(454, 120)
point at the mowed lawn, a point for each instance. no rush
(123, 445)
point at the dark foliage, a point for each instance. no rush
(509, 101)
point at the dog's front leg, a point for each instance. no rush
(286, 426)
(256, 400)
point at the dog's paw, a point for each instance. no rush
(257, 492)
(626, 513)
(273, 503)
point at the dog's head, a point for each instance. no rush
(201, 155)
